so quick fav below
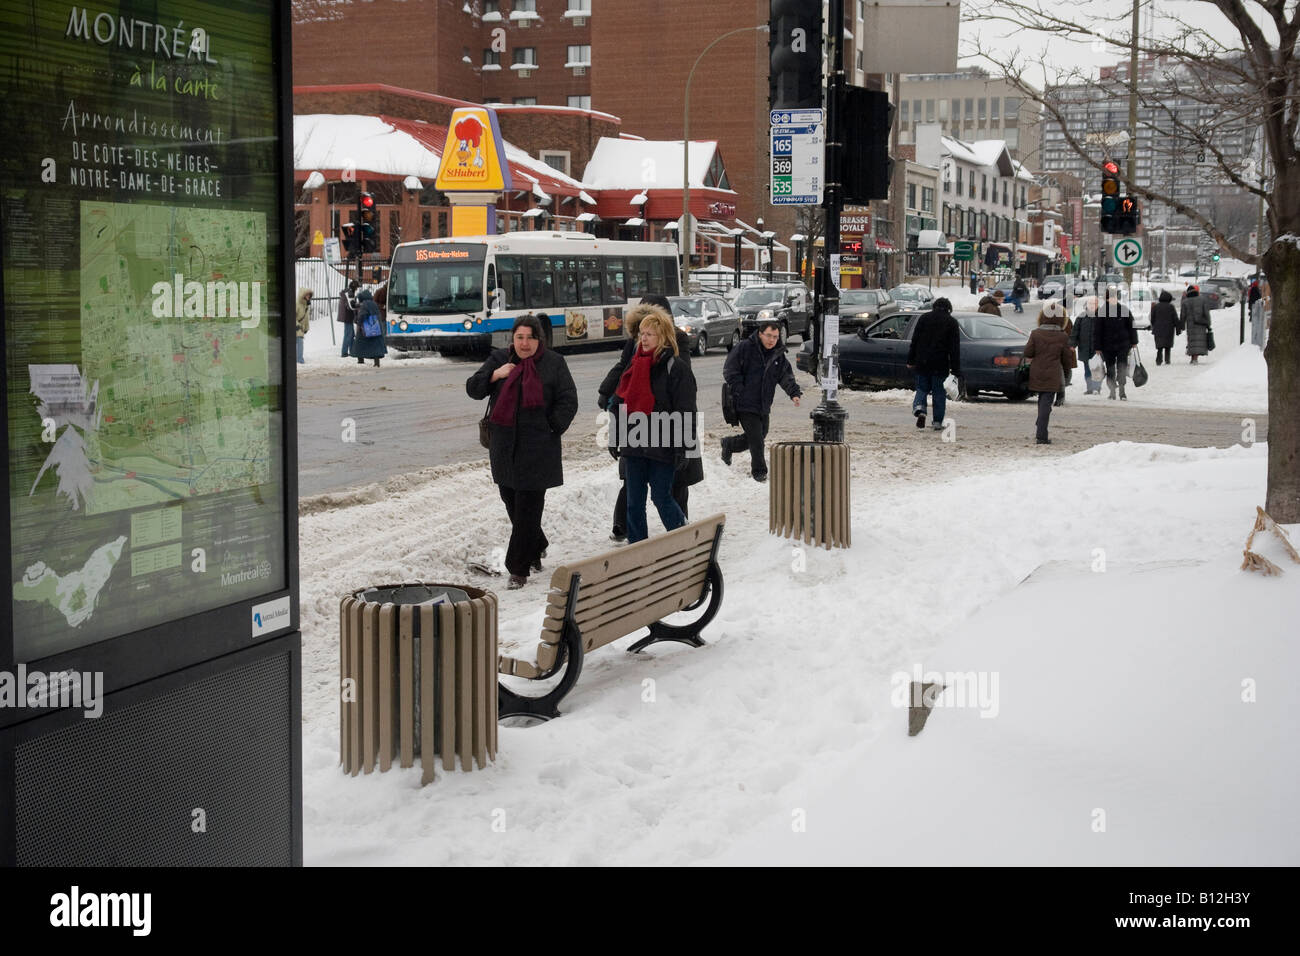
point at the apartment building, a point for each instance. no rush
(972, 105)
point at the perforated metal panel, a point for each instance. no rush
(124, 789)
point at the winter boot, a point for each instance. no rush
(920, 417)
(1122, 396)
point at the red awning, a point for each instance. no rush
(884, 245)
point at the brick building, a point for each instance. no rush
(623, 58)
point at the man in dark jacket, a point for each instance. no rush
(934, 353)
(1019, 292)
(753, 370)
(1114, 336)
(348, 313)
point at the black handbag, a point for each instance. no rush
(1209, 340)
(729, 414)
(485, 427)
(1139, 373)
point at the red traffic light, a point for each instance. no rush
(1110, 167)
(367, 201)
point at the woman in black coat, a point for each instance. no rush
(1164, 326)
(1114, 337)
(533, 402)
(692, 472)
(654, 426)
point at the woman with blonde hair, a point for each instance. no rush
(654, 413)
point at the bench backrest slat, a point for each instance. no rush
(612, 597)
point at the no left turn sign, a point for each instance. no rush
(1128, 253)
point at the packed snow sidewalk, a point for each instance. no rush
(1120, 690)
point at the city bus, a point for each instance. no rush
(463, 293)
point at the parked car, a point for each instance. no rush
(1108, 278)
(860, 307)
(910, 296)
(1211, 296)
(992, 355)
(1052, 287)
(787, 302)
(706, 318)
(1228, 289)
(1005, 287)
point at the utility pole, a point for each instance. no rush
(829, 416)
(1131, 169)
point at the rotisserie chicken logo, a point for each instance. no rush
(472, 156)
(469, 143)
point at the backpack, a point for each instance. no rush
(370, 327)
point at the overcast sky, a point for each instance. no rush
(1066, 55)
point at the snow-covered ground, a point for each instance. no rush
(1120, 690)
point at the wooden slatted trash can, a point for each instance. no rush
(418, 675)
(808, 493)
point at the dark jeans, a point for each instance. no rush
(930, 384)
(1116, 366)
(658, 476)
(1162, 357)
(347, 338)
(527, 541)
(1045, 400)
(755, 430)
(681, 495)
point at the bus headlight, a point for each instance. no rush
(402, 325)
(469, 324)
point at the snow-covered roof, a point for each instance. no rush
(646, 164)
(981, 152)
(401, 147)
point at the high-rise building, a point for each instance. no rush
(1170, 95)
(972, 105)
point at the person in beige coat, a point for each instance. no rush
(1048, 353)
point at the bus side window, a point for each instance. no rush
(657, 276)
(589, 281)
(638, 277)
(541, 288)
(495, 294)
(671, 286)
(510, 277)
(615, 289)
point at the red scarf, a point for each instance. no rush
(634, 386)
(523, 377)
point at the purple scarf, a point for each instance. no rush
(524, 377)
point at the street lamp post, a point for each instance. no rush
(735, 236)
(687, 239)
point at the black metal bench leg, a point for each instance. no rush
(687, 633)
(546, 707)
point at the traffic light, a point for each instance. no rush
(350, 238)
(1214, 258)
(866, 170)
(794, 46)
(367, 216)
(1109, 196)
(1127, 217)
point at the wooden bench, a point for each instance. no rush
(597, 601)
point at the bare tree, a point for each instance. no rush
(1243, 77)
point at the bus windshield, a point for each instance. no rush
(440, 280)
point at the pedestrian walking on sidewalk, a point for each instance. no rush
(752, 371)
(934, 354)
(1083, 338)
(1194, 313)
(1115, 337)
(347, 313)
(1164, 326)
(1048, 353)
(532, 403)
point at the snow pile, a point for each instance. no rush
(682, 755)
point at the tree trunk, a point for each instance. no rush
(1282, 266)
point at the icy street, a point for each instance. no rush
(1140, 716)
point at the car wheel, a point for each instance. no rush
(735, 340)
(702, 345)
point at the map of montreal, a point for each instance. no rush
(182, 395)
(170, 400)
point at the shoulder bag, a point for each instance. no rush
(1139, 373)
(370, 327)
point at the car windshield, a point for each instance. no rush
(986, 327)
(857, 298)
(757, 295)
(687, 307)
